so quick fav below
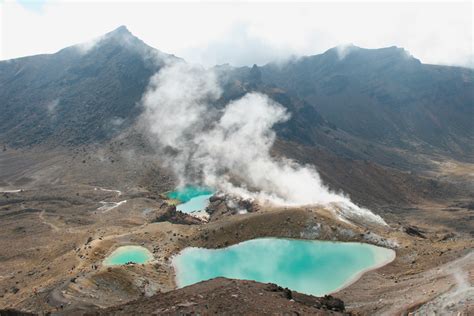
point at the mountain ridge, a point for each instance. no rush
(384, 97)
(73, 92)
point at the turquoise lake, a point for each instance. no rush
(125, 254)
(192, 198)
(311, 267)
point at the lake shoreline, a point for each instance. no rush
(375, 250)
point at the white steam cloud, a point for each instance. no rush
(228, 148)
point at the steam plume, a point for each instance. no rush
(229, 148)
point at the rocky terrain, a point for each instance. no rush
(78, 179)
(227, 297)
(55, 236)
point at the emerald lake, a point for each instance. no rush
(192, 198)
(126, 254)
(307, 266)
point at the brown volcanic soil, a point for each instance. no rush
(56, 232)
(382, 188)
(229, 297)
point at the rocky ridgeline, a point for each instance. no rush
(230, 297)
(168, 213)
(226, 205)
(219, 207)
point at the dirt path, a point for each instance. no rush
(118, 192)
(44, 221)
(107, 206)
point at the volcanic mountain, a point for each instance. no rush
(81, 94)
(374, 97)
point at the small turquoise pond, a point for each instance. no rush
(192, 198)
(311, 267)
(126, 254)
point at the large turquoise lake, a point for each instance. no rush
(192, 198)
(126, 254)
(311, 267)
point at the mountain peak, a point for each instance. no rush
(392, 53)
(120, 32)
(122, 29)
(120, 36)
(123, 37)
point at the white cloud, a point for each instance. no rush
(245, 33)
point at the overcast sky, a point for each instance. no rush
(243, 33)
